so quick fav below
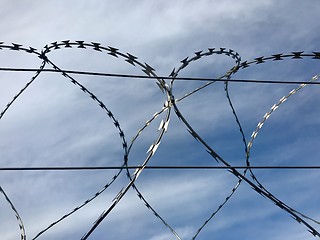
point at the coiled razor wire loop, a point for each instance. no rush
(174, 74)
(171, 102)
(67, 44)
(255, 134)
(18, 47)
(294, 55)
(258, 188)
(164, 125)
(148, 70)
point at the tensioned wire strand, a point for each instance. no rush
(102, 74)
(73, 168)
(80, 168)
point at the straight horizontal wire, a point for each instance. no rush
(149, 167)
(152, 77)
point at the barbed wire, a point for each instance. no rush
(167, 87)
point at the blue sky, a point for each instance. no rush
(54, 123)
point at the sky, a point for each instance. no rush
(54, 123)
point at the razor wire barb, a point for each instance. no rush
(167, 86)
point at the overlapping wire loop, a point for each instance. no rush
(171, 103)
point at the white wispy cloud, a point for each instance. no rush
(54, 123)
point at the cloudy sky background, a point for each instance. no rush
(55, 124)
